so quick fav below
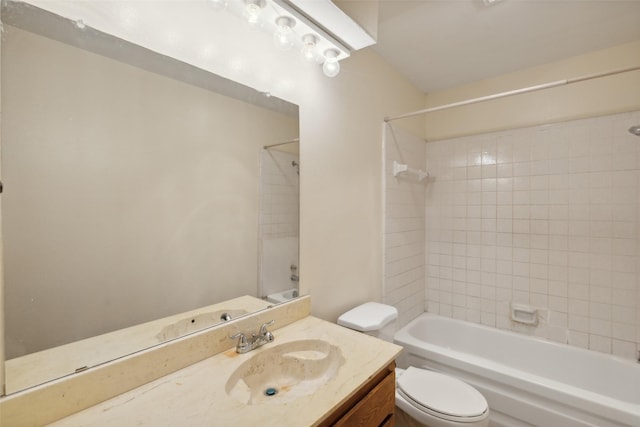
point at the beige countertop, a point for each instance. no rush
(196, 395)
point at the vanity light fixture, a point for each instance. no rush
(292, 26)
(308, 51)
(252, 12)
(283, 35)
(331, 66)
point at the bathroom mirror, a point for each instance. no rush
(136, 187)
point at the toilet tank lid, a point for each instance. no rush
(370, 316)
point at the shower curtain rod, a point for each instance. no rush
(513, 92)
(266, 147)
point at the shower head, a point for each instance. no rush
(635, 130)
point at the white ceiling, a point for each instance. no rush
(439, 44)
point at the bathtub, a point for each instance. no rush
(527, 381)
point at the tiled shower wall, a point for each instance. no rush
(404, 234)
(547, 216)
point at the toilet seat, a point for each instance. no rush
(442, 396)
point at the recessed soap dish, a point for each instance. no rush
(526, 314)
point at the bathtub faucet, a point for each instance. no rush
(246, 344)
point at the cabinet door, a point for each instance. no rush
(377, 408)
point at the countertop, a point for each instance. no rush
(195, 396)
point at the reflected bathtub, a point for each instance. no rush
(526, 380)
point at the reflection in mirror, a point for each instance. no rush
(132, 194)
(279, 190)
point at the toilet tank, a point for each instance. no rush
(372, 318)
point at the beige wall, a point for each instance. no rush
(341, 181)
(167, 176)
(607, 95)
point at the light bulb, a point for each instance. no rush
(308, 51)
(219, 4)
(252, 12)
(331, 66)
(283, 36)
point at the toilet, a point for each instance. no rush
(424, 397)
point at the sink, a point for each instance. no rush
(195, 323)
(284, 372)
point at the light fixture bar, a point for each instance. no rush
(290, 8)
(334, 21)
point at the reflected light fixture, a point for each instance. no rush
(283, 36)
(331, 66)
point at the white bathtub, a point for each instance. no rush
(527, 381)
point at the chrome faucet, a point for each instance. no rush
(246, 344)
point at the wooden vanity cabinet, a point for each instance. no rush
(372, 405)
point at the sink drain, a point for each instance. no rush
(270, 391)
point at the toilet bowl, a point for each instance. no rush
(424, 397)
(437, 400)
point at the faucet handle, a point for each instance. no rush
(242, 338)
(243, 345)
(263, 328)
(266, 335)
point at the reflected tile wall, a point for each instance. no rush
(279, 188)
(547, 216)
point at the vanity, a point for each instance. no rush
(314, 373)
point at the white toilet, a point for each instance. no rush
(428, 398)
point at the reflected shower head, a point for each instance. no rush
(635, 130)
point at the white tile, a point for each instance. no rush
(624, 331)
(599, 343)
(559, 243)
(547, 214)
(623, 297)
(474, 172)
(578, 291)
(625, 349)
(578, 339)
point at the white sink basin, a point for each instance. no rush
(281, 373)
(195, 323)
